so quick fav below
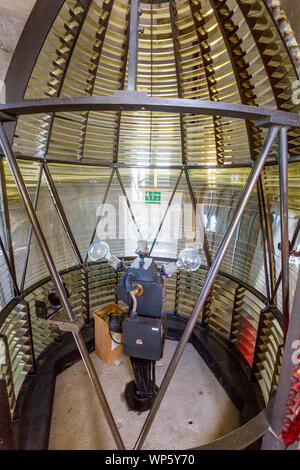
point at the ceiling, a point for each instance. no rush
(231, 51)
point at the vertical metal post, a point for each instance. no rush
(210, 278)
(133, 45)
(58, 283)
(284, 223)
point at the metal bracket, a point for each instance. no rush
(67, 325)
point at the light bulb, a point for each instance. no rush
(189, 259)
(99, 251)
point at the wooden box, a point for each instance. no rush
(105, 347)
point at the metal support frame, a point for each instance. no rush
(133, 45)
(58, 283)
(166, 212)
(189, 166)
(126, 100)
(211, 275)
(284, 222)
(131, 100)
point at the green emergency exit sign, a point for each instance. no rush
(152, 197)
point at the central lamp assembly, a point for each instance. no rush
(143, 288)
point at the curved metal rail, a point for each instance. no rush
(140, 101)
(242, 437)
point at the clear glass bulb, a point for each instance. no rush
(99, 251)
(189, 259)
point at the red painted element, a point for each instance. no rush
(291, 424)
(247, 340)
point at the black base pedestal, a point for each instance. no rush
(136, 403)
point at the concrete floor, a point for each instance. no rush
(195, 410)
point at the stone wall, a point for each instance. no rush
(13, 16)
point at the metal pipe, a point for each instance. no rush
(133, 45)
(57, 282)
(284, 223)
(127, 101)
(166, 212)
(211, 275)
(189, 166)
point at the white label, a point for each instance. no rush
(116, 337)
(155, 329)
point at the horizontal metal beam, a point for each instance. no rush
(140, 101)
(187, 166)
